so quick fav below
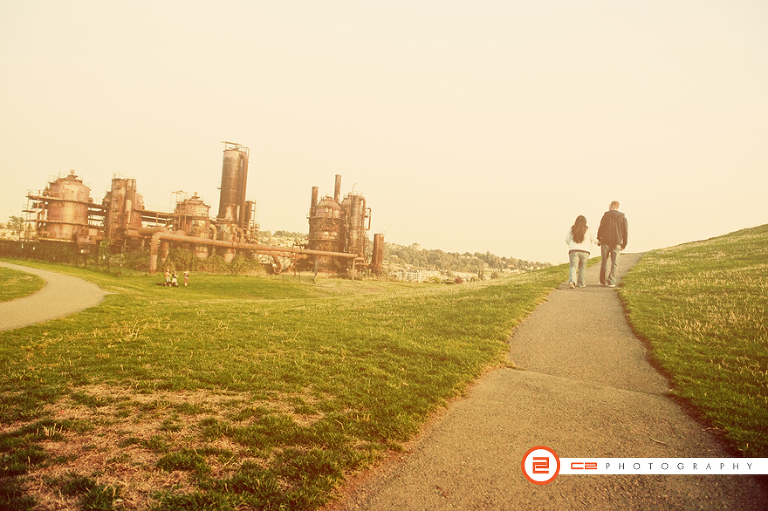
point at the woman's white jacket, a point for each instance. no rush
(584, 246)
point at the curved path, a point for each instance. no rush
(62, 295)
(584, 388)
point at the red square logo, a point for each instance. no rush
(540, 465)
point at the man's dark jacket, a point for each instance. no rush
(613, 229)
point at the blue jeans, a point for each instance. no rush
(613, 252)
(578, 266)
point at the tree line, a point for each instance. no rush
(15, 224)
(435, 259)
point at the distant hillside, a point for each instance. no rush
(436, 259)
(433, 259)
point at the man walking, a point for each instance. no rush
(612, 235)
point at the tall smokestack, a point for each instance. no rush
(314, 201)
(337, 190)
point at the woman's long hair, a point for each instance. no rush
(579, 228)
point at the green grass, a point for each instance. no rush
(239, 392)
(17, 284)
(703, 307)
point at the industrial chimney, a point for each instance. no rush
(234, 177)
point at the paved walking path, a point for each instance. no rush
(62, 295)
(583, 388)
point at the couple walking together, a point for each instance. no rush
(611, 238)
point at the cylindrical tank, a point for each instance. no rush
(234, 176)
(230, 232)
(201, 251)
(124, 206)
(67, 209)
(377, 258)
(325, 232)
(192, 217)
(228, 254)
(249, 210)
(354, 209)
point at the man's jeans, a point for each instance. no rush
(613, 252)
(578, 267)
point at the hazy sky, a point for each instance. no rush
(468, 126)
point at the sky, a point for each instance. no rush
(483, 126)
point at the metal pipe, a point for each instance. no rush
(267, 249)
(53, 199)
(154, 246)
(149, 231)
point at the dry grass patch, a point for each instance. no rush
(117, 436)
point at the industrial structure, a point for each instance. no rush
(65, 213)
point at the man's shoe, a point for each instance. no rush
(611, 285)
(573, 285)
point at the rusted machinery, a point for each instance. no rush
(65, 212)
(234, 219)
(233, 208)
(338, 226)
(191, 217)
(123, 208)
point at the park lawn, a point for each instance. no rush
(238, 392)
(703, 307)
(17, 284)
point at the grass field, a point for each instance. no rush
(16, 284)
(703, 307)
(265, 393)
(238, 392)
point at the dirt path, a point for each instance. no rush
(62, 295)
(584, 388)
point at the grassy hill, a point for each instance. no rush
(264, 392)
(703, 307)
(237, 392)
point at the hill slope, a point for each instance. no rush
(702, 307)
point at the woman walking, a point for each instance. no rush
(580, 240)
